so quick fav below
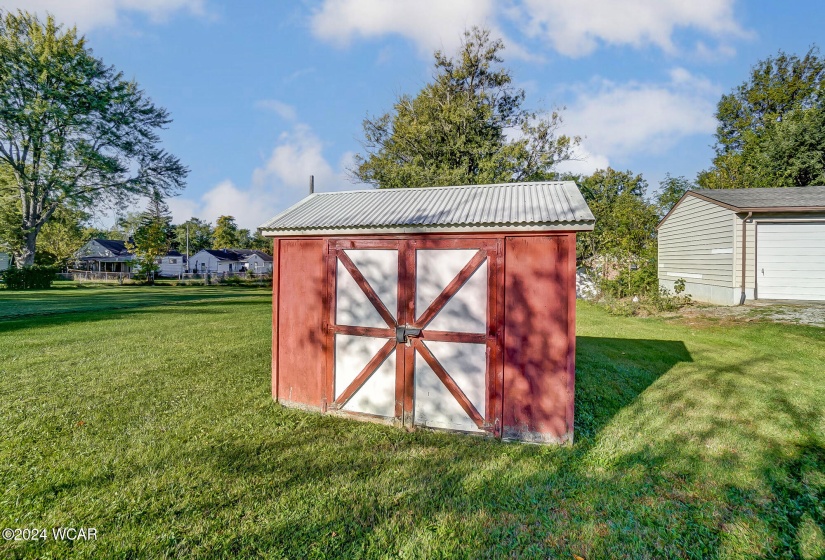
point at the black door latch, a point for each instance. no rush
(402, 333)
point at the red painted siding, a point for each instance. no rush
(531, 361)
(300, 359)
(537, 383)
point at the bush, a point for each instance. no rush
(642, 281)
(252, 281)
(637, 292)
(29, 277)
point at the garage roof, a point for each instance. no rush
(515, 206)
(790, 199)
(753, 200)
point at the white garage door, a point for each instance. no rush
(790, 261)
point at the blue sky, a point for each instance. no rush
(263, 94)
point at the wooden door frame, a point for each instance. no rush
(407, 247)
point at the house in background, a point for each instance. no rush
(172, 264)
(230, 261)
(731, 245)
(111, 255)
(258, 261)
(5, 261)
(104, 255)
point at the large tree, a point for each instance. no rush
(73, 131)
(199, 235)
(771, 130)
(225, 235)
(151, 237)
(62, 236)
(671, 189)
(625, 222)
(468, 126)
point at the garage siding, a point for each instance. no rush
(696, 243)
(750, 253)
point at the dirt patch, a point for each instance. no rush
(801, 313)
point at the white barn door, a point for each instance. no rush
(451, 358)
(412, 332)
(366, 307)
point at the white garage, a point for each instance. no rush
(734, 245)
(790, 260)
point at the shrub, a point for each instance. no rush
(643, 281)
(29, 277)
(253, 281)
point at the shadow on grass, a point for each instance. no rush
(612, 372)
(190, 306)
(429, 495)
(722, 458)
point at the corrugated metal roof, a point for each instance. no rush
(540, 205)
(754, 199)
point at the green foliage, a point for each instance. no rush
(771, 129)
(250, 281)
(29, 277)
(625, 222)
(200, 235)
(634, 280)
(225, 235)
(151, 238)
(75, 132)
(455, 130)
(12, 239)
(260, 243)
(126, 225)
(62, 236)
(670, 191)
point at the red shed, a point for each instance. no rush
(444, 307)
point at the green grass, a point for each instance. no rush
(73, 297)
(155, 425)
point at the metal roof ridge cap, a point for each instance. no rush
(439, 187)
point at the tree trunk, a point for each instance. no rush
(26, 255)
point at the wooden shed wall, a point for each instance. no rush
(538, 331)
(298, 364)
(539, 337)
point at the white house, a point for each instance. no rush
(733, 245)
(220, 261)
(112, 255)
(259, 262)
(172, 264)
(5, 261)
(104, 255)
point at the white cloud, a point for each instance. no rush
(90, 14)
(430, 24)
(283, 110)
(578, 28)
(619, 120)
(296, 157)
(584, 162)
(572, 28)
(279, 182)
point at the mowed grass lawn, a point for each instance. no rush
(154, 424)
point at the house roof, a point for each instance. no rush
(249, 252)
(116, 246)
(237, 254)
(790, 199)
(513, 206)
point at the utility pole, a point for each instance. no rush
(187, 245)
